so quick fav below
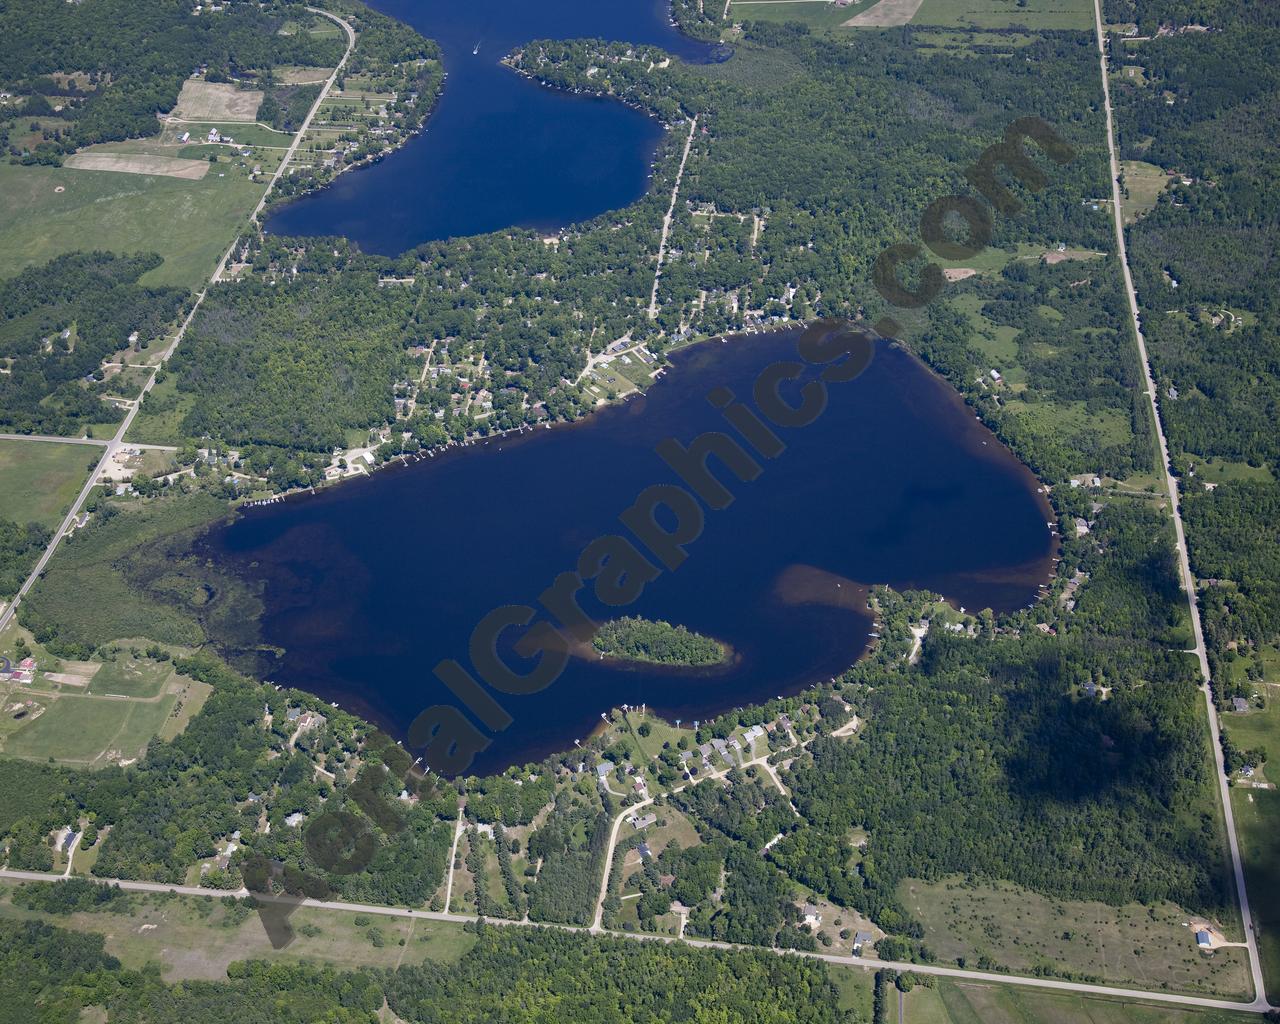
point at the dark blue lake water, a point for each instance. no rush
(368, 585)
(500, 151)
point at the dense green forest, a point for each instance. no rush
(135, 54)
(60, 321)
(636, 639)
(1204, 116)
(52, 975)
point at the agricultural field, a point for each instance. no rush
(818, 14)
(193, 937)
(1147, 947)
(985, 14)
(40, 479)
(952, 1002)
(212, 101)
(47, 211)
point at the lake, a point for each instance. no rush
(368, 585)
(500, 150)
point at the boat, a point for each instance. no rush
(475, 50)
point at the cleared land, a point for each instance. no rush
(189, 223)
(40, 479)
(1148, 947)
(212, 101)
(885, 14)
(1036, 15)
(949, 1002)
(139, 163)
(1257, 814)
(196, 938)
(90, 731)
(1143, 184)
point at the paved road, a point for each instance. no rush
(1184, 563)
(1205, 1002)
(52, 437)
(297, 139)
(109, 448)
(666, 221)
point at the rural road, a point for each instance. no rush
(1184, 563)
(1258, 1005)
(111, 447)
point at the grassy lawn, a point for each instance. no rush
(1144, 183)
(1148, 947)
(40, 479)
(89, 731)
(192, 937)
(189, 223)
(856, 986)
(1031, 14)
(188, 702)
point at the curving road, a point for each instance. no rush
(1184, 563)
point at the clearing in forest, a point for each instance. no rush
(885, 14)
(216, 101)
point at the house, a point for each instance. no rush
(812, 916)
(753, 734)
(293, 714)
(640, 824)
(604, 769)
(1203, 939)
(642, 790)
(645, 852)
(861, 939)
(1239, 704)
(186, 137)
(1090, 689)
(295, 819)
(995, 376)
(213, 134)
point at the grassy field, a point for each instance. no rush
(89, 731)
(192, 937)
(130, 677)
(1143, 183)
(956, 1002)
(189, 223)
(1033, 14)
(1149, 947)
(159, 421)
(40, 479)
(1257, 814)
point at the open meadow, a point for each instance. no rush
(193, 937)
(40, 479)
(1147, 947)
(47, 211)
(955, 1002)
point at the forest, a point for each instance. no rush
(1204, 119)
(60, 321)
(54, 976)
(635, 639)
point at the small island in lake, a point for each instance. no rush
(636, 639)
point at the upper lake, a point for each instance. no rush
(368, 585)
(499, 150)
